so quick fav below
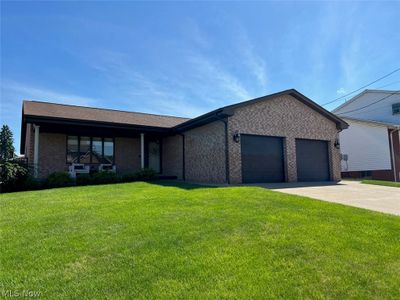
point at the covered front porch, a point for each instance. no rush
(88, 148)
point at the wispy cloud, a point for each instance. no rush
(12, 90)
(341, 91)
(208, 70)
(256, 65)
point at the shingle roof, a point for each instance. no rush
(72, 112)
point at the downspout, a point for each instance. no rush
(226, 150)
(393, 154)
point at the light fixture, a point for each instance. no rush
(236, 136)
(337, 144)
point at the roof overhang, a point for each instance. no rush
(73, 125)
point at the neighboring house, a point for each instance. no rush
(275, 138)
(371, 145)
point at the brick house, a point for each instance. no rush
(280, 137)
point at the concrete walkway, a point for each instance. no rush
(353, 193)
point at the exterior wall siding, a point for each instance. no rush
(286, 117)
(127, 154)
(172, 158)
(205, 153)
(367, 147)
(52, 153)
(377, 111)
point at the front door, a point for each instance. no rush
(154, 157)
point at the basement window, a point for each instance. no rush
(396, 108)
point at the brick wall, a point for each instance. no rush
(286, 117)
(396, 150)
(172, 160)
(127, 154)
(205, 153)
(52, 153)
(29, 142)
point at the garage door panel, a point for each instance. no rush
(262, 159)
(312, 160)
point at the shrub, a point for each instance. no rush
(146, 174)
(59, 179)
(129, 177)
(13, 174)
(104, 177)
(84, 179)
(32, 183)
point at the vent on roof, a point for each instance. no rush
(396, 108)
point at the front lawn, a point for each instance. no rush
(142, 240)
(382, 182)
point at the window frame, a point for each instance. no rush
(91, 149)
(396, 107)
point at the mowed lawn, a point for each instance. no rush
(382, 182)
(164, 240)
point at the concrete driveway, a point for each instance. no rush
(353, 193)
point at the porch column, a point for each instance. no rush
(142, 150)
(36, 151)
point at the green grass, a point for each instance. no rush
(382, 182)
(142, 240)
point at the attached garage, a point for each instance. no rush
(312, 159)
(262, 159)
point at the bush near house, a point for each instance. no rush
(15, 176)
(59, 179)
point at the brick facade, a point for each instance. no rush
(127, 154)
(205, 146)
(29, 143)
(286, 117)
(52, 153)
(205, 153)
(172, 157)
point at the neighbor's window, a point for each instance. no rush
(86, 150)
(396, 108)
(72, 149)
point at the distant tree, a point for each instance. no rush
(7, 150)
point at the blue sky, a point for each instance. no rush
(187, 58)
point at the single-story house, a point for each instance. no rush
(276, 138)
(370, 147)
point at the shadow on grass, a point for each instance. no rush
(287, 185)
(182, 184)
(282, 185)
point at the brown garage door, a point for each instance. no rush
(312, 160)
(262, 159)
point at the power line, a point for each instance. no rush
(363, 87)
(382, 86)
(368, 105)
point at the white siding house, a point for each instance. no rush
(371, 144)
(373, 139)
(379, 106)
